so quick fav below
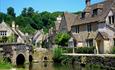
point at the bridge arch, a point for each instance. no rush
(30, 58)
(20, 59)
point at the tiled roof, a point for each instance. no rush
(105, 6)
(69, 19)
(104, 35)
(76, 37)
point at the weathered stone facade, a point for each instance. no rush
(95, 19)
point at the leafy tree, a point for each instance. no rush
(10, 11)
(24, 12)
(62, 39)
(30, 19)
(30, 11)
(2, 16)
(37, 20)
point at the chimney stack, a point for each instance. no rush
(13, 24)
(88, 3)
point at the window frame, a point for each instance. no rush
(77, 29)
(89, 42)
(89, 27)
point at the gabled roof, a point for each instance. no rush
(69, 19)
(105, 6)
(37, 34)
(77, 37)
(16, 31)
(102, 35)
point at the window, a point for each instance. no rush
(83, 15)
(95, 12)
(111, 19)
(114, 41)
(77, 29)
(89, 42)
(89, 29)
(3, 33)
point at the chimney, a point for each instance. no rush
(88, 3)
(59, 18)
(88, 8)
(17, 26)
(13, 24)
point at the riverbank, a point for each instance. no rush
(5, 66)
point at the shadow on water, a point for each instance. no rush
(30, 66)
(52, 66)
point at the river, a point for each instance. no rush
(51, 66)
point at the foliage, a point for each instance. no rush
(10, 11)
(88, 50)
(11, 38)
(3, 39)
(78, 13)
(113, 50)
(57, 55)
(80, 50)
(62, 39)
(30, 20)
(4, 64)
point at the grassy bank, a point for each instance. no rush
(5, 64)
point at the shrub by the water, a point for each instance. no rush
(57, 55)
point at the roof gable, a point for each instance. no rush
(102, 36)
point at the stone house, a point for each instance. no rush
(94, 27)
(13, 34)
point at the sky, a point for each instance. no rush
(45, 5)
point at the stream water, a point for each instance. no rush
(51, 66)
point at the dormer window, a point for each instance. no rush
(111, 19)
(83, 15)
(95, 12)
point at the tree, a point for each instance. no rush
(37, 20)
(2, 16)
(30, 11)
(10, 11)
(62, 39)
(24, 12)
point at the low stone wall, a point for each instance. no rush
(102, 61)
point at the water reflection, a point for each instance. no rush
(51, 66)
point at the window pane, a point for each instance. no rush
(109, 19)
(114, 41)
(112, 19)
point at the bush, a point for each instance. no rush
(57, 55)
(62, 39)
(80, 50)
(113, 50)
(89, 50)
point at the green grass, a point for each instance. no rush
(5, 66)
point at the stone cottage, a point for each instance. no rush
(12, 34)
(95, 26)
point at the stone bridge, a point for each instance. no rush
(16, 53)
